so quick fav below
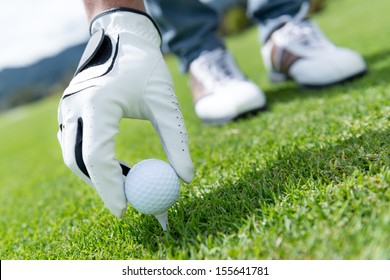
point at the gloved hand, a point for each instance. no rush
(121, 74)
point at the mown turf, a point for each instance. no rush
(308, 179)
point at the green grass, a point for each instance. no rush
(308, 179)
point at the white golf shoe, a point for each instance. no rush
(300, 51)
(221, 91)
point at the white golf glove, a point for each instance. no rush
(121, 74)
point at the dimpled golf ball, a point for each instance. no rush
(152, 186)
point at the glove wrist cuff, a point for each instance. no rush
(118, 20)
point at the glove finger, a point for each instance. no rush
(70, 138)
(98, 153)
(167, 119)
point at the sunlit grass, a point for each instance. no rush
(308, 179)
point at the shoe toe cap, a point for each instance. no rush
(328, 68)
(229, 101)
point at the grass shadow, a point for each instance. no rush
(210, 214)
(225, 209)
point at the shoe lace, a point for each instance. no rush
(304, 33)
(302, 30)
(217, 67)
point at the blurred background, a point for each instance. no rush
(42, 42)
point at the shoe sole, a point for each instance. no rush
(244, 115)
(340, 82)
(316, 87)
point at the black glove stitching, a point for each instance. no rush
(125, 169)
(79, 152)
(79, 148)
(101, 55)
(73, 93)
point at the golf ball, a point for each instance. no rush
(152, 186)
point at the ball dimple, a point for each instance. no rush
(152, 186)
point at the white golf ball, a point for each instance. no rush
(152, 186)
